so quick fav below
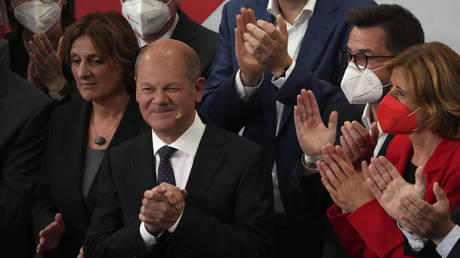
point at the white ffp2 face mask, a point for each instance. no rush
(37, 16)
(361, 86)
(146, 17)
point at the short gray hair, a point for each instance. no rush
(3, 14)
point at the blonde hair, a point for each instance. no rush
(432, 71)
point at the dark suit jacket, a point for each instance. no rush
(24, 117)
(227, 212)
(60, 187)
(316, 69)
(201, 39)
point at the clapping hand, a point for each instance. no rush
(358, 143)
(310, 129)
(345, 185)
(50, 236)
(426, 220)
(388, 186)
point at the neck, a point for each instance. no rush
(112, 108)
(290, 9)
(373, 107)
(151, 38)
(169, 136)
(424, 143)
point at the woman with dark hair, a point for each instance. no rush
(37, 26)
(101, 49)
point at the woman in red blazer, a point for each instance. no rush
(423, 109)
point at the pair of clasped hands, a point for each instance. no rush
(260, 45)
(352, 176)
(161, 208)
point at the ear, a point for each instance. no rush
(199, 88)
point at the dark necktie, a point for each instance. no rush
(165, 170)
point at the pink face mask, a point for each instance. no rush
(395, 118)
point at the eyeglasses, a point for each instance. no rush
(361, 60)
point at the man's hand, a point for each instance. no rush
(161, 207)
(251, 70)
(428, 221)
(47, 63)
(346, 186)
(357, 143)
(388, 186)
(50, 236)
(310, 129)
(268, 45)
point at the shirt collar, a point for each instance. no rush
(167, 35)
(188, 142)
(366, 118)
(273, 8)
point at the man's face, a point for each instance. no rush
(166, 97)
(370, 42)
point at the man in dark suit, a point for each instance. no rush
(379, 33)
(257, 73)
(24, 116)
(162, 19)
(185, 189)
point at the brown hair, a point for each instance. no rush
(112, 37)
(432, 71)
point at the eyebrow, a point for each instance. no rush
(362, 51)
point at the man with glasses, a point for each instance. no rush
(379, 33)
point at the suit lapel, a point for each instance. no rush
(143, 164)
(320, 27)
(184, 30)
(76, 157)
(209, 158)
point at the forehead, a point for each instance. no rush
(398, 78)
(82, 45)
(368, 40)
(161, 69)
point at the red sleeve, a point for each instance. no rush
(378, 230)
(349, 238)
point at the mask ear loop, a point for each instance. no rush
(418, 127)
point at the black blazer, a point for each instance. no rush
(227, 212)
(60, 187)
(24, 117)
(201, 39)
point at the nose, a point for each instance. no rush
(83, 70)
(160, 98)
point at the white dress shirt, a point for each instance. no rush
(296, 33)
(167, 35)
(367, 121)
(181, 162)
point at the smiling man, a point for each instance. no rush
(185, 189)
